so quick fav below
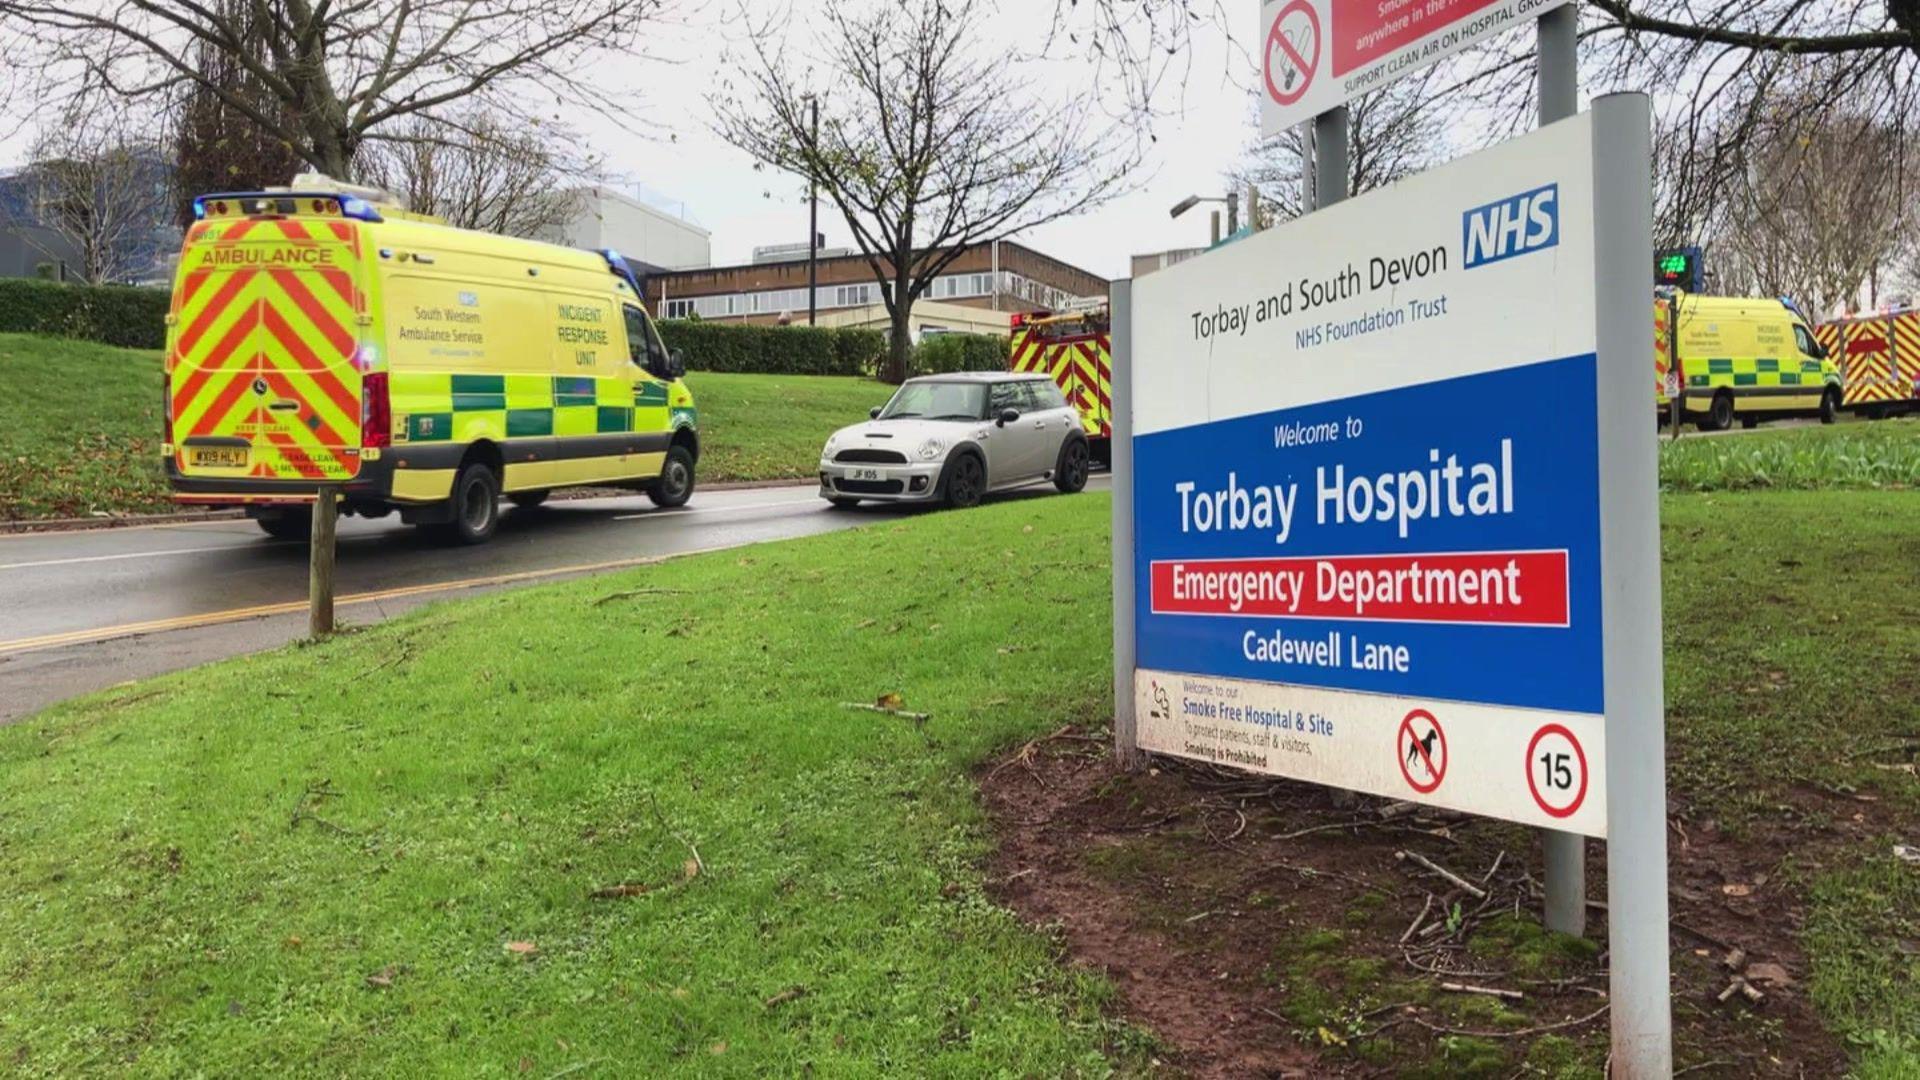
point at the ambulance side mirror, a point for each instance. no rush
(676, 364)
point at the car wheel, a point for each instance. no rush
(1070, 475)
(842, 503)
(675, 485)
(290, 523)
(1830, 406)
(475, 506)
(966, 481)
(527, 500)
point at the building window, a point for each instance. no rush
(853, 295)
(679, 309)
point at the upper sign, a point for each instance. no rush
(1367, 493)
(1319, 54)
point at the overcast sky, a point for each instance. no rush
(1207, 124)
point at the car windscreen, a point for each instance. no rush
(937, 401)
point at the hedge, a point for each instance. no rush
(113, 314)
(775, 350)
(960, 352)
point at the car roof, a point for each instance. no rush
(982, 377)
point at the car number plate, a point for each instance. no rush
(218, 457)
(866, 474)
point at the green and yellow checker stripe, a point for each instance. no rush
(1743, 372)
(465, 408)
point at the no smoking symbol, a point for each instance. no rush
(1422, 749)
(1557, 771)
(1293, 52)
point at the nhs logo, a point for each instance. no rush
(1529, 221)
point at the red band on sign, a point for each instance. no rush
(1366, 30)
(1490, 588)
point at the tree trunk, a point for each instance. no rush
(900, 346)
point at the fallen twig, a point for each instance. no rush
(916, 717)
(1519, 1033)
(1417, 919)
(1458, 881)
(1495, 868)
(631, 593)
(322, 790)
(791, 993)
(1298, 833)
(622, 891)
(1489, 991)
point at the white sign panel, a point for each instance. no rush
(1367, 493)
(1320, 54)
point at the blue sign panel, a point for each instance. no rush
(1434, 541)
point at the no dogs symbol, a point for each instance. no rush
(1293, 52)
(1422, 751)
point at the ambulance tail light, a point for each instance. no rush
(1019, 320)
(376, 412)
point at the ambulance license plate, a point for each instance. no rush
(866, 474)
(217, 457)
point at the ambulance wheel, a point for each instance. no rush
(476, 505)
(675, 485)
(1070, 475)
(287, 523)
(1719, 414)
(527, 500)
(1830, 406)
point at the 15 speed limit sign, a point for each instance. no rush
(1557, 770)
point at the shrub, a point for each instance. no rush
(960, 352)
(774, 350)
(111, 314)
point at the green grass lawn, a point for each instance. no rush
(1880, 454)
(80, 426)
(765, 427)
(316, 860)
(79, 429)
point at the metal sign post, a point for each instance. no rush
(1565, 854)
(1637, 916)
(1126, 738)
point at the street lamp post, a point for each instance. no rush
(1232, 200)
(813, 212)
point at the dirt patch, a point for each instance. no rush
(1262, 928)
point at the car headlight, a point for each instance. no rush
(932, 449)
(833, 441)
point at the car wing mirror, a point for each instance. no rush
(874, 413)
(1008, 416)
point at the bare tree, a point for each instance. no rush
(337, 71)
(101, 193)
(1392, 134)
(476, 171)
(216, 146)
(930, 141)
(1808, 217)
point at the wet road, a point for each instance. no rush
(81, 611)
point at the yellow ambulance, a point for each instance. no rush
(321, 340)
(1734, 357)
